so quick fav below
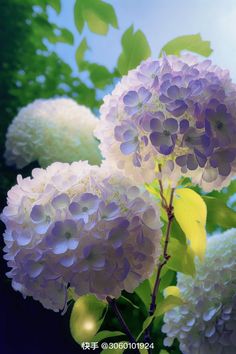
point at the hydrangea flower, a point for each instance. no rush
(79, 226)
(52, 130)
(177, 112)
(206, 323)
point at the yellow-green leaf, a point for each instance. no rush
(144, 292)
(146, 324)
(163, 306)
(193, 43)
(153, 188)
(82, 48)
(86, 318)
(135, 48)
(168, 304)
(95, 23)
(100, 336)
(97, 13)
(115, 351)
(143, 351)
(181, 257)
(191, 212)
(172, 290)
(78, 15)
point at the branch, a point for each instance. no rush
(113, 305)
(170, 214)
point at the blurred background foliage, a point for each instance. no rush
(30, 70)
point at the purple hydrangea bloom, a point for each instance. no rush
(63, 236)
(149, 72)
(179, 112)
(220, 125)
(134, 100)
(81, 226)
(86, 205)
(128, 136)
(164, 134)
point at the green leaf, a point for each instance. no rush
(181, 257)
(164, 352)
(177, 232)
(146, 324)
(115, 351)
(153, 188)
(172, 290)
(144, 292)
(97, 13)
(225, 194)
(66, 36)
(82, 48)
(86, 318)
(168, 304)
(129, 301)
(107, 334)
(95, 23)
(143, 351)
(56, 5)
(165, 305)
(193, 43)
(100, 75)
(78, 15)
(168, 278)
(219, 214)
(63, 35)
(135, 48)
(190, 212)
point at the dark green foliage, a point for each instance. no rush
(221, 207)
(29, 70)
(219, 215)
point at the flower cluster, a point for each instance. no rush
(176, 112)
(79, 226)
(52, 130)
(206, 324)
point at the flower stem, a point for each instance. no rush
(113, 305)
(165, 257)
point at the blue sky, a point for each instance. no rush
(161, 21)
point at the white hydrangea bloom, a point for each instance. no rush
(206, 324)
(81, 226)
(50, 130)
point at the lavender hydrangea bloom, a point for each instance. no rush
(63, 237)
(134, 101)
(206, 323)
(175, 111)
(84, 206)
(79, 226)
(164, 134)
